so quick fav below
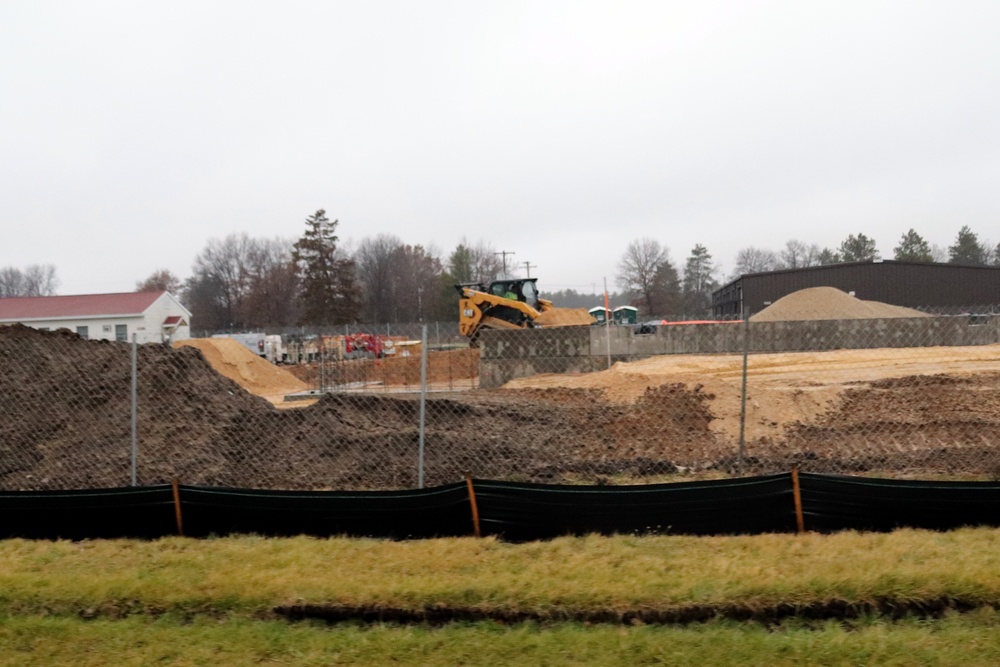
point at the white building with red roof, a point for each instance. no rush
(154, 317)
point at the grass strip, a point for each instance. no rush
(563, 578)
(972, 639)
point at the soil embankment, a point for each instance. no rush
(67, 422)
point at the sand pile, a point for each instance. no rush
(564, 317)
(829, 303)
(258, 376)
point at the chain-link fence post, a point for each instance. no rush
(423, 402)
(743, 394)
(135, 408)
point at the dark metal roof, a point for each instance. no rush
(911, 284)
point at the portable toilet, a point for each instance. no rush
(600, 314)
(626, 315)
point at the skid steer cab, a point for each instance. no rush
(511, 304)
(504, 304)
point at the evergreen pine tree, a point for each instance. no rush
(858, 248)
(913, 248)
(967, 248)
(327, 287)
(699, 281)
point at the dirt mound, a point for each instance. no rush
(68, 426)
(930, 422)
(564, 317)
(66, 422)
(783, 388)
(829, 303)
(256, 375)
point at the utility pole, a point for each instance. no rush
(504, 253)
(528, 266)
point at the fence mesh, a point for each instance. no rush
(904, 397)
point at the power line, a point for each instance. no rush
(528, 267)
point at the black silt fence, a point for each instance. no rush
(520, 512)
(515, 512)
(435, 512)
(831, 503)
(143, 512)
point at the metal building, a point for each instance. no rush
(941, 287)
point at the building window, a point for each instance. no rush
(83, 332)
(107, 328)
(121, 332)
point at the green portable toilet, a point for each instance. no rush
(626, 315)
(600, 314)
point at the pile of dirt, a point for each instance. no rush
(66, 422)
(564, 317)
(854, 409)
(829, 303)
(67, 425)
(253, 373)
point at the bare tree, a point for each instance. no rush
(11, 282)
(374, 260)
(798, 254)
(474, 263)
(218, 289)
(754, 260)
(272, 300)
(643, 272)
(34, 280)
(417, 276)
(161, 280)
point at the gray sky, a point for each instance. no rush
(132, 132)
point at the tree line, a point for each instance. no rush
(240, 282)
(658, 288)
(33, 280)
(967, 249)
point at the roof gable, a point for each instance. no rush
(81, 305)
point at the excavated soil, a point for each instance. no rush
(66, 421)
(927, 410)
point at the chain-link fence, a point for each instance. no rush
(903, 397)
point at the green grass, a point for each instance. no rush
(211, 602)
(971, 639)
(248, 576)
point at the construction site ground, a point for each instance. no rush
(782, 389)
(911, 412)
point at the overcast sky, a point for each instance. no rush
(133, 132)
